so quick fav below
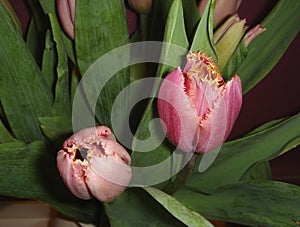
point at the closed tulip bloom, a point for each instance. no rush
(93, 164)
(66, 13)
(141, 6)
(197, 106)
(223, 9)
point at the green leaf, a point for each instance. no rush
(93, 29)
(158, 18)
(49, 7)
(203, 39)
(235, 61)
(265, 50)
(24, 93)
(255, 204)
(49, 60)
(258, 172)
(174, 34)
(177, 209)
(5, 136)
(30, 172)
(237, 156)
(62, 104)
(56, 129)
(191, 17)
(95, 37)
(135, 207)
(38, 26)
(13, 17)
(227, 44)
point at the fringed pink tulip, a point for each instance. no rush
(66, 13)
(197, 107)
(93, 164)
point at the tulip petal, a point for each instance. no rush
(177, 112)
(107, 177)
(212, 128)
(72, 174)
(233, 99)
(66, 12)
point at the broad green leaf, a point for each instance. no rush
(237, 156)
(62, 104)
(93, 29)
(265, 50)
(135, 207)
(56, 129)
(178, 210)
(203, 38)
(174, 34)
(30, 172)
(268, 203)
(24, 93)
(94, 38)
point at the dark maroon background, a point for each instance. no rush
(276, 96)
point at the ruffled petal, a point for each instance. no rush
(212, 128)
(233, 99)
(177, 112)
(72, 172)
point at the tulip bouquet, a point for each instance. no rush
(122, 129)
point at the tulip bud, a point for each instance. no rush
(250, 35)
(197, 107)
(223, 9)
(228, 37)
(93, 164)
(66, 13)
(141, 6)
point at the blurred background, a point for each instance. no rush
(277, 96)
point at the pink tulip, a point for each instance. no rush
(66, 13)
(255, 31)
(223, 9)
(197, 107)
(93, 164)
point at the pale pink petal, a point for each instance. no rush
(72, 174)
(107, 177)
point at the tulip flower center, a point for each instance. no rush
(203, 82)
(81, 153)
